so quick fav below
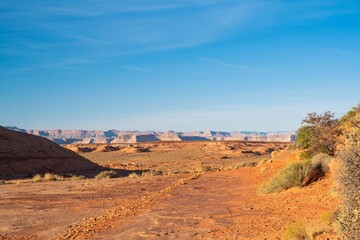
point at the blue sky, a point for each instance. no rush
(176, 65)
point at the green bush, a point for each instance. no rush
(319, 133)
(306, 155)
(305, 138)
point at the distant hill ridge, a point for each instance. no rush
(117, 136)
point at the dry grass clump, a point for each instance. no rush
(297, 231)
(52, 177)
(206, 168)
(293, 175)
(298, 174)
(322, 160)
(305, 231)
(107, 174)
(151, 173)
(47, 177)
(81, 177)
(133, 175)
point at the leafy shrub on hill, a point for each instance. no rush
(305, 138)
(319, 133)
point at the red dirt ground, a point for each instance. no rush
(216, 205)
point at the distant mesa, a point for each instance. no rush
(116, 136)
(23, 154)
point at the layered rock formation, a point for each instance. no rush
(22, 153)
(117, 136)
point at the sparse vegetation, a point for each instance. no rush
(47, 177)
(107, 174)
(52, 177)
(297, 231)
(81, 177)
(134, 175)
(327, 135)
(206, 168)
(301, 230)
(151, 173)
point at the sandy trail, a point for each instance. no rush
(225, 205)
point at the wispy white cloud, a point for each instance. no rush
(230, 64)
(104, 32)
(136, 69)
(65, 63)
(88, 39)
(338, 51)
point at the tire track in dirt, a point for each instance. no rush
(114, 217)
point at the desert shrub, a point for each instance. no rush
(228, 168)
(297, 231)
(81, 177)
(206, 168)
(107, 174)
(47, 177)
(133, 175)
(249, 164)
(322, 160)
(52, 177)
(151, 173)
(328, 217)
(319, 133)
(298, 174)
(292, 146)
(37, 178)
(293, 175)
(306, 155)
(305, 137)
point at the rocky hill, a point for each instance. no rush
(116, 136)
(22, 154)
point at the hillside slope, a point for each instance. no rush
(23, 154)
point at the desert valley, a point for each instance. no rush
(179, 120)
(164, 189)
